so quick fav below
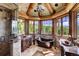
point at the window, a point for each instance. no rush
(59, 27)
(14, 27)
(46, 27)
(65, 25)
(20, 26)
(31, 27)
(36, 27)
(78, 25)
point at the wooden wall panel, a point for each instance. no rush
(72, 23)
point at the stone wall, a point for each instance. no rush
(5, 24)
(5, 30)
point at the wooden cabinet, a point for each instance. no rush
(4, 49)
(25, 43)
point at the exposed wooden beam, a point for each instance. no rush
(75, 7)
(30, 8)
(62, 16)
(47, 5)
(23, 14)
(52, 8)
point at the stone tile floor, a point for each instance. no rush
(40, 51)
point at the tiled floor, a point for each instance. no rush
(40, 51)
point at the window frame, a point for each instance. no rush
(21, 21)
(62, 30)
(68, 27)
(33, 27)
(39, 27)
(76, 26)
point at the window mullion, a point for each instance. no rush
(61, 27)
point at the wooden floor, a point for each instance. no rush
(40, 51)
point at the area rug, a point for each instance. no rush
(43, 53)
(38, 53)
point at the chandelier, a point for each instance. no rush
(39, 8)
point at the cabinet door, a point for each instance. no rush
(4, 49)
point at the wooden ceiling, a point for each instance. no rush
(10, 6)
(51, 10)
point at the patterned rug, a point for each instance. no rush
(43, 53)
(38, 53)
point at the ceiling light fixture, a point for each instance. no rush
(56, 4)
(39, 8)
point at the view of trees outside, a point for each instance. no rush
(78, 25)
(20, 26)
(31, 27)
(47, 27)
(65, 25)
(59, 27)
(36, 27)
